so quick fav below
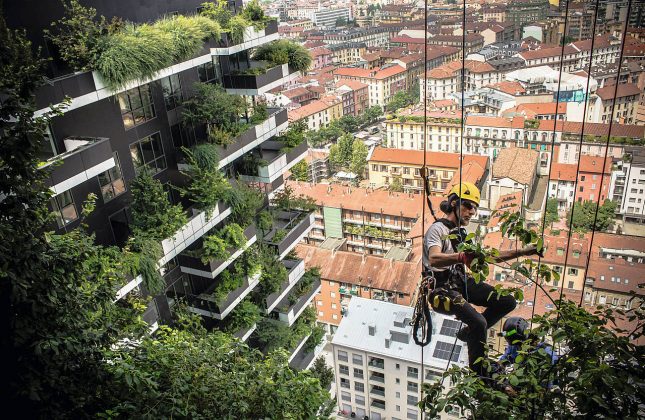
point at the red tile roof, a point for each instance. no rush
(512, 88)
(433, 159)
(495, 122)
(624, 89)
(547, 52)
(594, 129)
(453, 68)
(594, 164)
(376, 73)
(563, 171)
(351, 83)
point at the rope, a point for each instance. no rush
(611, 123)
(555, 125)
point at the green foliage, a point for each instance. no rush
(256, 387)
(300, 171)
(373, 113)
(234, 236)
(324, 135)
(324, 373)
(265, 221)
(358, 163)
(531, 124)
(287, 201)
(285, 52)
(340, 154)
(584, 214)
(551, 211)
(211, 105)
(279, 236)
(214, 248)
(599, 373)
(396, 185)
(78, 35)
(245, 201)
(206, 156)
(145, 256)
(140, 51)
(207, 186)
(229, 280)
(243, 316)
(237, 25)
(347, 123)
(403, 98)
(217, 11)
(274, 273)
(316, 337)
(260, 114)
(153, 215)
(294, 135)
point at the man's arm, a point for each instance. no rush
(439, 259)
(515, 253)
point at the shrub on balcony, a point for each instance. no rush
(260, 114)
(207, 184)
(153, 215)
(206, 156)
(234, 236)
(316, 337)
(245, 202)
(286, 200)
(229, 280)
(218, 110)
(285, 52)
(243, 316)
(214, 248)
(294, 135)
(304, 285)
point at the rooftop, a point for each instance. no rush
(518, 164)
(433, 159)
(383, 328)
(624, 89)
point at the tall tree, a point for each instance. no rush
(300, 171)
(552, 211)
(358, 163)
(583, 215)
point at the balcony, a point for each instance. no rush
(277, 162)
(151, 316)
(289, 228)
(377, 378)
(379, 364)
(191, 264)
(252, 39)
(85, 158)
(288, 312)
(376, 391)
(198, 224)
(206, 305)
(245, 333)
(244, 82)
(296, 270)
(254, 136)
(71, 85)
(378, 404)
(298, 347)
(303, 359)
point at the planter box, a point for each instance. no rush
(296, 270)
(86, 158)
(295, 232)
(279, 162)
(195, 266)
(251, 84)
(245, 333)
(254, 136)
(303, 360)
(295, 351)
(206, 305)
(73, 85)
(290, 315)
(252, 39)
(196, 227)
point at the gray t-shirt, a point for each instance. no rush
(434, 237)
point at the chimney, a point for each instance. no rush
(363, 258)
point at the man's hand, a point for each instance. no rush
(466, 258)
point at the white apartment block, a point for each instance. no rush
(408, 134)
(632, 185)
(377, 364)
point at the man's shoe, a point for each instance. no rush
(463, 333)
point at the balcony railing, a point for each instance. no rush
(206, 305)
(303, 359)
(243, 83)
(74, 85)
(252, 39)
(376, 364)
(289, 313)
(85, 158)
(377, 392)
(376, 378)
(191, 264)
(279, 161)
(296, 270)
(296, 224)
(245, 333)
(377, 404)
(254, 136)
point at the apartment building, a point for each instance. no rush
(562, 185)
(319, 113)
(520, 13)
(377, 365)
(108, 135)
(474, 42)
(406, 132)
(550, 56)
(346, 274)
(347, 52)
(606, 49)
(383, 82)
(446, 79)
(630, 187)
(493, 13)
(372, 37)
(371, 221)
(490, 135)
(514, 169)
(626, 97)
(327, 18)
(355, 96)
(385, 166)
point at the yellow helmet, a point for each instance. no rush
(466, 191)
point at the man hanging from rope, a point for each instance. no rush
(454, 290)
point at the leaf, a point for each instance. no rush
(540, 244)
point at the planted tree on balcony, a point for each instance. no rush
(265, 221)
(234, 235)
(153, 215)
(286, 200)
(218, 110)
(245, 201)
(218, 11)
(316, 337)
(214, 248)
(294, 135)
(300, 171)
(243, 316)
(207, 186)
(259, 114)
(285, 52)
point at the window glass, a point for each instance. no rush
(171, 88)
(148, 152)
(136, 106)
(111, 181)
(64, 208)
(210, 72)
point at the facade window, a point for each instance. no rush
(210, 72)
(450, 327)
(148, 152)
(413, 372)
(573, 271)
(442, 351)
(342, 356)
(111, 181)
(171, 88)
(182, 135)
(357, 359)
(344, 383)
(346, 396)
(375, 167)
(359, 400)
(344, 370)
(412, 414)
(136, 106)
(64, 208)
(413, 400)
(359, 386)
(358, 373)
(413, 386)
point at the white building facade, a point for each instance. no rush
(377, 365)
